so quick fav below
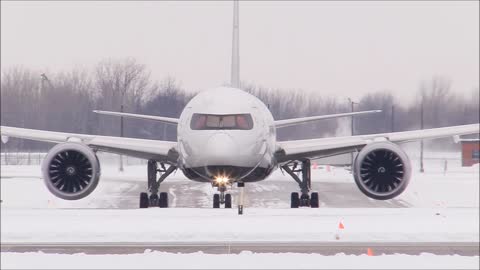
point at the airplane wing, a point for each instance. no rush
(296, 121)
(324, 147)
(167, 120)
(140, 148)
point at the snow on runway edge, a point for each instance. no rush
(204, 225)
(246, 259)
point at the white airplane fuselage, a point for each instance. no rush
(226, 132)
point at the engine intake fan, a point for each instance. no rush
(71, 171)
(382, 170)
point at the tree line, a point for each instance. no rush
(63, 101)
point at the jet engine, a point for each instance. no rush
(71, 171)
(382, 170)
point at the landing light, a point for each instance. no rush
(222, 180)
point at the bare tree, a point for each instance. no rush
(436, 95)
(120, 83)
(378, 122)
(63, 101)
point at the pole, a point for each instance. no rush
(235, 72)
(241, 185)
(421, 141)
(393, 118)
(351, 127)
(5, 153)
(120, 168)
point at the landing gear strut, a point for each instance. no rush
(222, 198)
(305, 183)
(156, 198)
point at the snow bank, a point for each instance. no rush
(244, 260)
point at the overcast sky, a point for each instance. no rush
(332, 48)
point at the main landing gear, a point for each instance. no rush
(222, 198)
(156, 199)
(305, 183)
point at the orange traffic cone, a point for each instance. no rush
(340, 228)
(369, 252)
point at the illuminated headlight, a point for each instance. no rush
(221, 180)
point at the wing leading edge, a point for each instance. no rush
(167, 120)
(141, 148)
(316, 148)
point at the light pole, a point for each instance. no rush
(421, 141)
(352, 103)
(393, 118)
(44, 80)
(120, 168)
(352, 126)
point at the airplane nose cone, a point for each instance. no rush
(220, 149)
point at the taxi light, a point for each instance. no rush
(221, 180)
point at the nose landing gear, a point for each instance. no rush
(222, 198)
(305, 183)
(156, 199)
(226, 199)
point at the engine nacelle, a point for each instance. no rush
(382, 170)
(71, 171)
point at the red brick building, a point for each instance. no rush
(470, 152)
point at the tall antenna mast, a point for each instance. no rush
(235, 76)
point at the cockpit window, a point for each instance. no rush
(213, 121)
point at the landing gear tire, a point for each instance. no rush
(163, 200)
(153, 200)
(314, 202)
(216, 201)
(294, 200)
(228, 201)
(144, 202)
(305, 200)
(153, 185)
(301, 173)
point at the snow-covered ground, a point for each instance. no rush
(204, 225)
(23, 188)
(244, 260)
(438, 205)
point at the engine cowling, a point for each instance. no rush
(71, 171)
(382, 170)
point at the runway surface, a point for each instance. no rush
(324, 248)
(266, 194)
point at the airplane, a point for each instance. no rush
(226, 136)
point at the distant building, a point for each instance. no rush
(470, 151)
